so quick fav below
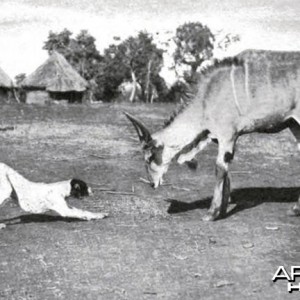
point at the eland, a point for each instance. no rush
(255, 91)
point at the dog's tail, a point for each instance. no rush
(14, 194)
(16, 181)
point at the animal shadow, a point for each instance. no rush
(37, 218)
(244, 198)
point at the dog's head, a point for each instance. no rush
(79, 188)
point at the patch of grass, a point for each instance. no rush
(148, 247)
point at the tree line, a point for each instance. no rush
(137, 59)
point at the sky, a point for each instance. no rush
(25, 24)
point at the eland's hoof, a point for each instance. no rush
(209, 217)
(294, 211)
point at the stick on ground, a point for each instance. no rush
(141, 179)
(99, 156)
(112, 191)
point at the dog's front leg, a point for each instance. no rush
(85, 215)
(72, 212)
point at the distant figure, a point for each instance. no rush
(131, 91)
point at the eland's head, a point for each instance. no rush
(156, 156)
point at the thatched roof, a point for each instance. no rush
(5, 81)
(55, 75)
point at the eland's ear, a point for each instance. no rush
(143, 133)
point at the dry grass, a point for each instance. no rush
(149, 248)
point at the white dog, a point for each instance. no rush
(37, 197)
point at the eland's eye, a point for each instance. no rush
(150, 158)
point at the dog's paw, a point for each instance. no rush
(95, 216)
(102, 215)
(2, 226)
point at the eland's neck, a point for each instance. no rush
(183, 130)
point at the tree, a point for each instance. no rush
(60, 42)
(19, 78)
(111, 73)
(225, 40)
(194, 44)
(144, 60)
(81, 52)
(86, 55)
(136, 59)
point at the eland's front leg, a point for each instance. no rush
(221, 197)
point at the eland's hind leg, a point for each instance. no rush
(294, 125)
(221, 197)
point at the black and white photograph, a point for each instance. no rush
(149, 150)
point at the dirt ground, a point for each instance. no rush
(154, 244)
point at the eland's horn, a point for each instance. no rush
(143, 133)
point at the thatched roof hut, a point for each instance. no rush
(6, 86)
(55, 79)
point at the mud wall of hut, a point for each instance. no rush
(71, 97)
(42, 97)
(5, 95)
(37, 97)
